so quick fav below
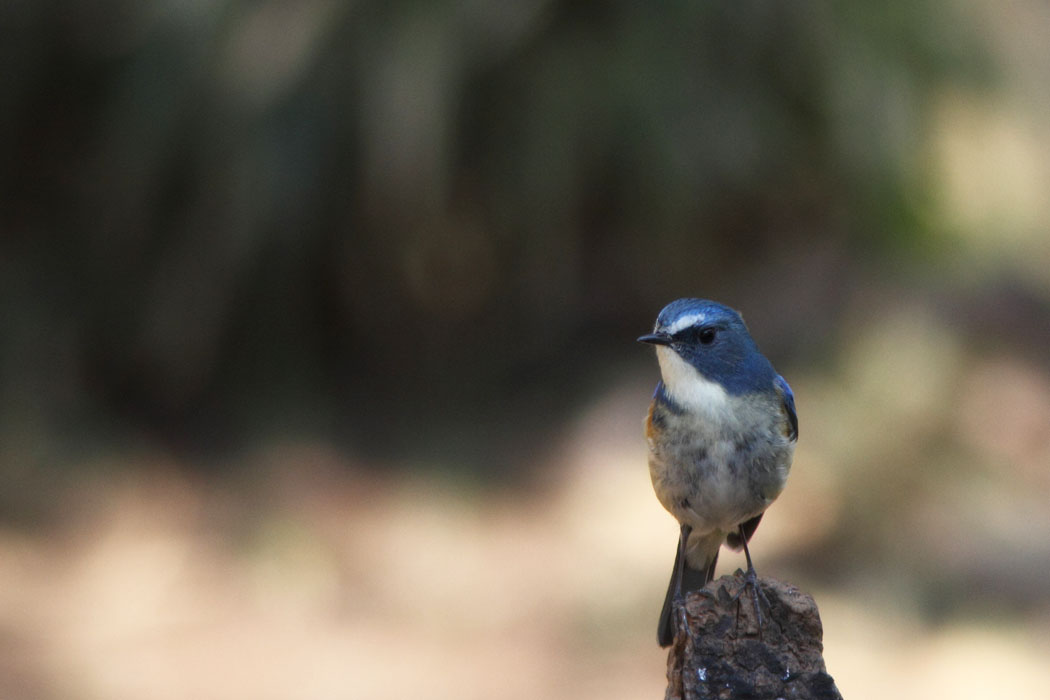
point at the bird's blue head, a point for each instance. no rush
(706, 353)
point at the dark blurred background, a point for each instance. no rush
(277, 276)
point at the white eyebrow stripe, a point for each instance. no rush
(685, 322)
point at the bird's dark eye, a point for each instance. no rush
(706, 336)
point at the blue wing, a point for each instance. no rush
(788, 398)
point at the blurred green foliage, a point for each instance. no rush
(383, 220)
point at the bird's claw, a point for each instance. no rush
(757, 594)
(681, 616)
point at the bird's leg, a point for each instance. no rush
(683, 541)
(678, 602)
(678, 611)
(751, 581)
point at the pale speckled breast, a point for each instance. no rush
(717, 469)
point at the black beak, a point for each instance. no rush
(656, 339)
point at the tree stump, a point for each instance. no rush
(724, 654)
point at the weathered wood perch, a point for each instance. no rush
(725, 656)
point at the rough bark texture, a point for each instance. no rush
(724, 655)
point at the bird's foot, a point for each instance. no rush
(757, 595)
(685, 648)
(681, 618)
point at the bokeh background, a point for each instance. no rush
(317, 364)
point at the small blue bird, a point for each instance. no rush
(721, 430)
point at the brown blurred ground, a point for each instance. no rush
(318, 578)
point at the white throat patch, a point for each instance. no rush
(689, 389)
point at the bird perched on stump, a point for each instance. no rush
(721, 430)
